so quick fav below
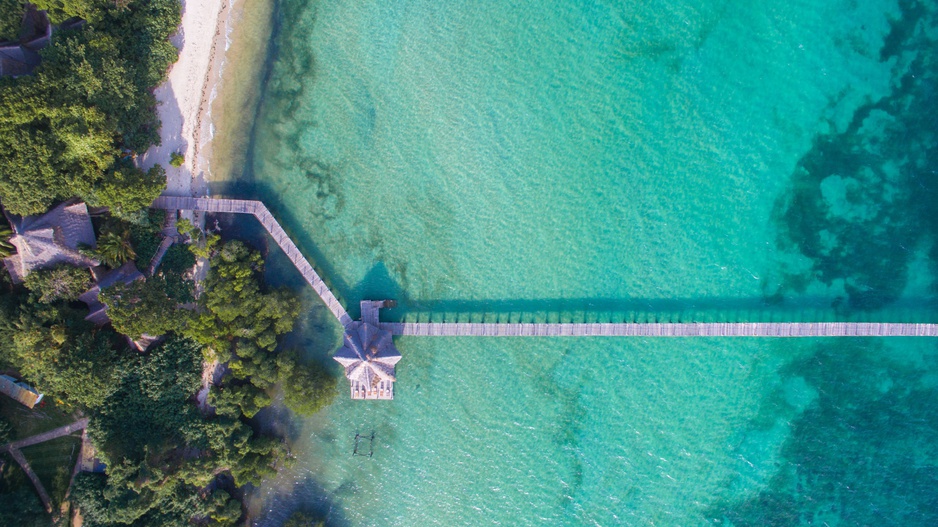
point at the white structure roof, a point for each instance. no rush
(20, 391)
(50, 239)
(368, 356)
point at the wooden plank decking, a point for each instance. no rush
(259, 211)
(743, 329)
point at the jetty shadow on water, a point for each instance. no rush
(662, 310)
(379, 284)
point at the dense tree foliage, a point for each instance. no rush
(65, 129)
(128, 189)
(143, 307)
(161, 449)
(20, 507)
(61, 10)
(6, 431)
(149, 410)
(84, 371)
(145, 227)
(173, 272)
(306, 387)
(62, 282)
(11, 17)
(240, 321)
(55, 349)
(114, 248)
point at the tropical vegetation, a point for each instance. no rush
(67, 129)
(73, 129)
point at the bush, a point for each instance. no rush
(176, 159)
(90, 102)
(145, 235)
(11, 17)
(306, 387)
(62, 282)
(128, 189)
(143, 307)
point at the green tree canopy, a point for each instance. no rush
(57, 351)
(149, 412)
(128, 189)
(87, 369)
(238, 319)
(62, 282)
(61, 10)
(49, 153)
(306, 387)
(90, 100)
(114, 248)
(11, 18)
(143, 307)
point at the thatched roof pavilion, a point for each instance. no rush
(369, 358)
(50, 239)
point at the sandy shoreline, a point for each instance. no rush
(185, 98)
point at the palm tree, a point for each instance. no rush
(6, 248)
(114, 248)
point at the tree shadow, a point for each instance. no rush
(306, 496)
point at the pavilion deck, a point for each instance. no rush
(384, 390)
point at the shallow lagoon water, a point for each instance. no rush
(613, 161)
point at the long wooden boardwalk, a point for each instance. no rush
(444, 329)
(703, 329)
(259, 211)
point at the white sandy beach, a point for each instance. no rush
(184, 99)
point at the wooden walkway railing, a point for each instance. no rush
(753, 329)
(259, 211)
(444, 329)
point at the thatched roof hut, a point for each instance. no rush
(17, 60)
(50, 239)
(369, 358)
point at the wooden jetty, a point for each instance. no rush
(259, 211)
(455, 329)
(701, 329)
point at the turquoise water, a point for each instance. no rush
(614, 161)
